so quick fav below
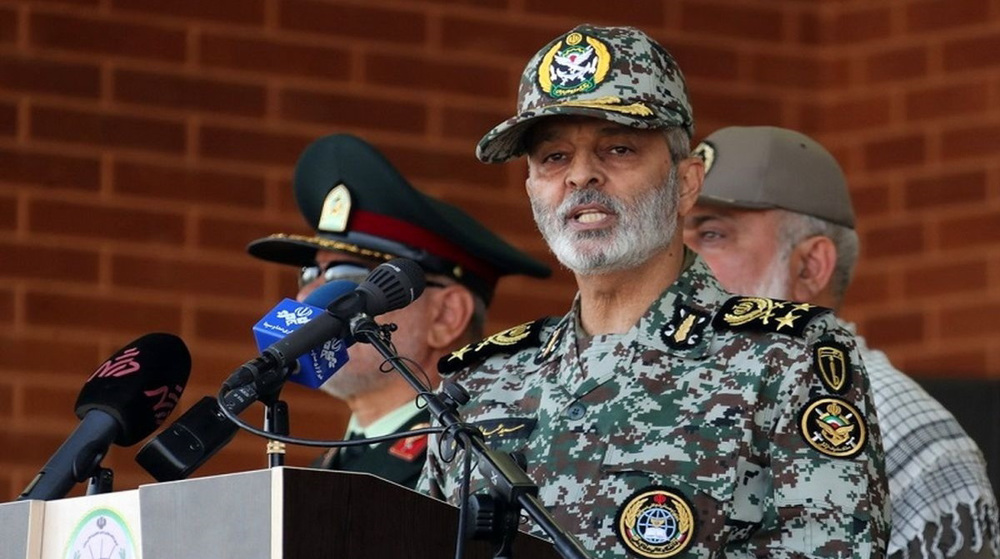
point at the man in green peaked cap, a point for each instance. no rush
(661, 416)
(364, 212)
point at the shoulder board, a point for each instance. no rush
(761, 314)
(509, 341)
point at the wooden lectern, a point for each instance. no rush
(280, 513)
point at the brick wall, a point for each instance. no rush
(143, 143)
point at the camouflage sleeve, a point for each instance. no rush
(818, 432)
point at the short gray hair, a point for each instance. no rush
(679, 143)
(795, 228)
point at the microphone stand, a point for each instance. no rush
(276, 422)
(101, 482)
(508, 479)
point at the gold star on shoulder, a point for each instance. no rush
(802, 307)
(787, 320)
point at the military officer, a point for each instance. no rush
(364, 212)
(660, 416)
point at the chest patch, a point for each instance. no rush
(497, 431)
(656, 522)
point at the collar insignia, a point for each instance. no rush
(411, 448)
(685, 329)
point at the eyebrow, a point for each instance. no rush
(544, 134)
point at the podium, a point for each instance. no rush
(279, 513)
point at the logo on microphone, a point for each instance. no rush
(167, 399)
(330, 353)
(299, 316)
(124, 364)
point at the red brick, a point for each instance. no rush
(6, 402)
(8, 25)
(24, 261)
(353, 111)
(813, 28)
(942, 14)
(108, 130)
(100, 313)
(444, 76)
(949, 100)
(974, 319)
(893, 240)
(494, 37)
(931, 280)
(187, 277)
(852, 114)
(870, 200)
(970, 230)
(868, 288)
(973, 52)
(852, 27)
(8, 119)
(198, 186)
(233, 235)
(49, 170)
(274, 57)
(974, 141)
(896, 328)
(232, 11)
(7, 304)
(54, 402)
(33, 75)
(420, 165)
(945, 189)
(645, 14)
(51, 356)
(8, 213)
(897, 64)
(113, 38)
(895, 152)
(251, 145)
(730, 20)
(34, 449)
(101, 222)
(702, 61)
(734, 109)
(944, 363)
(799, 71)
(228, 326)
(189, 93)
(470, 124)
(355, 21)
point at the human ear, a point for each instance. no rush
(813, 261)
(451, 310)
(690, 176)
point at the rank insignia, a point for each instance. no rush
(550, 345)
(656, 522)
(575, 64)
(833, 427)
(766, 315)
(833, 366)
(685, 329)
(410, 448)
(507, 429)
(508, 341)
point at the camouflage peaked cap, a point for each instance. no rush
(613, 73)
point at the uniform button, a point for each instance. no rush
(576, 411)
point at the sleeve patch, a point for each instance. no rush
(761, 314)
(832, 363)
(833, 427)
(508, 341)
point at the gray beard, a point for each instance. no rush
(644, 227)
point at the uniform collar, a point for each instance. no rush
(385, 425)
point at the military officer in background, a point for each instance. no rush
(661, 416)
(775, 219)
(364, 212)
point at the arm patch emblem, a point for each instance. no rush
(832, 364)
(833, 427)
(761, 314)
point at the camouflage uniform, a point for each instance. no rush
(690, 434)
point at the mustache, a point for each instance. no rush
(588, 196)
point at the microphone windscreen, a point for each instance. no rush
(393, 285)
(325, 294)
(139, 385)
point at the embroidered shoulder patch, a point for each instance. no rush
(833, 427)
(832, 364)
(762, 314)
(509, 341)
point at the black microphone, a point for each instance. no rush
(390, 286)
(123, 402)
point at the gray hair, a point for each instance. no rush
(679, 143)
(796, 227)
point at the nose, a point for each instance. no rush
(584, 171)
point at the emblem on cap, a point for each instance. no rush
(575, 64)
(833, 365)
(834, 427)
(706, 151)
(336, 210)
(656, 522)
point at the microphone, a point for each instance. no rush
(123, 402)
(197, 435)
(390, 286)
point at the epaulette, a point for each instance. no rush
(509, 341)
(761, 314)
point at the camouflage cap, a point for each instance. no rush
(761, 167)
(613, 73)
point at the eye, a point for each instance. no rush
(620, 150)
(553, 157)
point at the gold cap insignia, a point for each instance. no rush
(577, 64)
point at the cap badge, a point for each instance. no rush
(706, 151)
(576, 64)
(833, 427)
(336, 210)
(833, 365)
(655, 522)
